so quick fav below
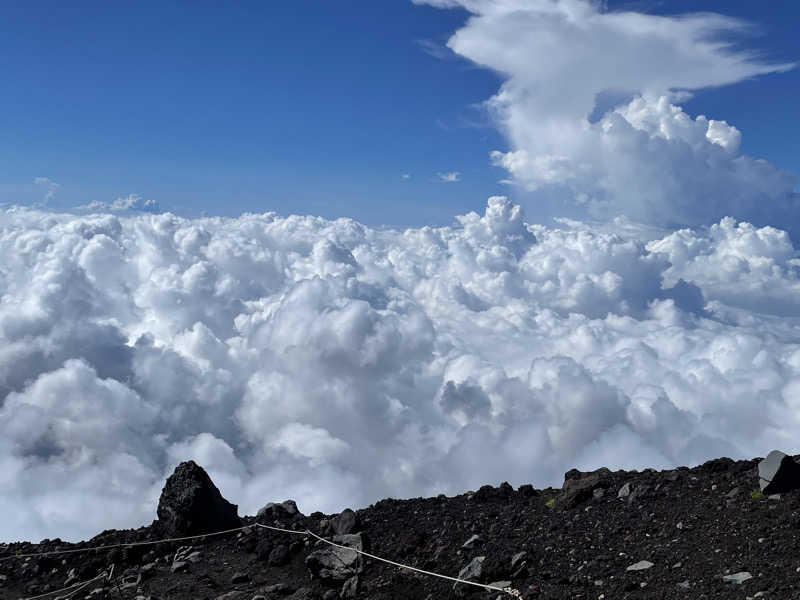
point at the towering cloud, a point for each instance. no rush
(589, 108)
(338, 364)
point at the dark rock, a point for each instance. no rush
(526, 490)
(279, 555)
(350, 588)
(304, 593)
(345, 522)
(285, 510)
(579, 487)
(282, 589)
(332, 562)
(240, 577)
(778, 473)
(191, 504)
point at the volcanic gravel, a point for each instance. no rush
(682, 531)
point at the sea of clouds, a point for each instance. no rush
(337, 364)
(655, 323)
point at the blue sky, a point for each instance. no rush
(302, 107)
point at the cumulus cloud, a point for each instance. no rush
(590, 108)
(131, 202)
(449, 177)
(339, 364)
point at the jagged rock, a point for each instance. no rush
(350, 588)
(345, 522)
(232, 595)
(778, 473)
(283, 589)
(304, 594)
(578, 487)
(640, 566)
(179, 566)
(191, 504)
(472, 542)
(279, 555)
(472, 572)
(625, 490)
(737, 578)
(240, 577)
(337, 563)
(286, 509)
(518, 559)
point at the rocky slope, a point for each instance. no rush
(704, 532)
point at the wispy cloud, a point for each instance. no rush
(435, 49)
(405, 176)
(49, 185)
(449, 177)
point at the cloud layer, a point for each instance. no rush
(338, 364)
(589, 106)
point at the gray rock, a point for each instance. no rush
(190, 504)
(684, 584)
(287, 508)
(518, 559)
(345, 522)
(778, 473)
(625, 491)
(258, 597)
(279, 555)
(350, 588)
(304, 594)
(284, 589)
(240, 577)
(179, 566)
(233, 595)
(332, 562)
(640, 566)
(737, 578)
(472, 572)
(330, 595)
(472, 542)
(500, 584)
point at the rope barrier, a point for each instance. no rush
(122, 544)
(508, 590)
(81, 584)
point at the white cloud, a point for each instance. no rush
(338, 364)
(405, 176)
(641, 155)
(132, 202)
(449, 177)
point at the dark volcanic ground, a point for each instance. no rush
(694, 525)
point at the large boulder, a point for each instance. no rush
(778, 473)
(579, 486)
(285, 510)
(345, 522)
(334, 562)
(191, 504)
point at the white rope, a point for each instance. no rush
(82, 585)
(123, 544)
(508, 590)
